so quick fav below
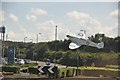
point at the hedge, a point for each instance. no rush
(33, 70)
(14, 69)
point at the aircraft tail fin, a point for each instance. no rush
(73, 46)
(100, 45)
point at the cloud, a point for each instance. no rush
(85, 21)
(2, 16)
(111, 31)
(114, 13)
(13, 18)
(31, 17)
(19, 35)
(47, 29)
(38, 11)
(11, 34)
(34, 13)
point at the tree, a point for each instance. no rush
(42, 51)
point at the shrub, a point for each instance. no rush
(33, 70)
(14, 69)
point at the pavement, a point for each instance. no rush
(88, 78)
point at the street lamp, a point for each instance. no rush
(55, 49)
(55, 33)
(37, 37)
(24, 39)
(36, 43)
(6, 37)
(31, 40)
(55, 45)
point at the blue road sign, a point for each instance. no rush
(11, 55)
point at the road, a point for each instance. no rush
(88, 78)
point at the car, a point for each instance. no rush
(2, 61)
(48, 62)
(19, 61)
(27, 61)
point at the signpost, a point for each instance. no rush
(1, 61)
(2, 31)
(0, 48)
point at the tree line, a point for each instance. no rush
(59, 50)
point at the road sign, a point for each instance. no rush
(11, 55)
(40, 69)
(48, 69)
(2, 29)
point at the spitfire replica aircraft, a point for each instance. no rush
(77, 42)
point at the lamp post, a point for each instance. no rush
(55, 33)
(55, 75)
(6, 37)
(36, 43)
(55, 45)
(31, 40)
(37, 37)
(24, 39)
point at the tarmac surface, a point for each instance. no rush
(41, 77)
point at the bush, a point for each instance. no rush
(33, 70)
(14, 69)
(66, 72)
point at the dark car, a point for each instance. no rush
(27, 61)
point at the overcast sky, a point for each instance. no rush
(27, 19)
